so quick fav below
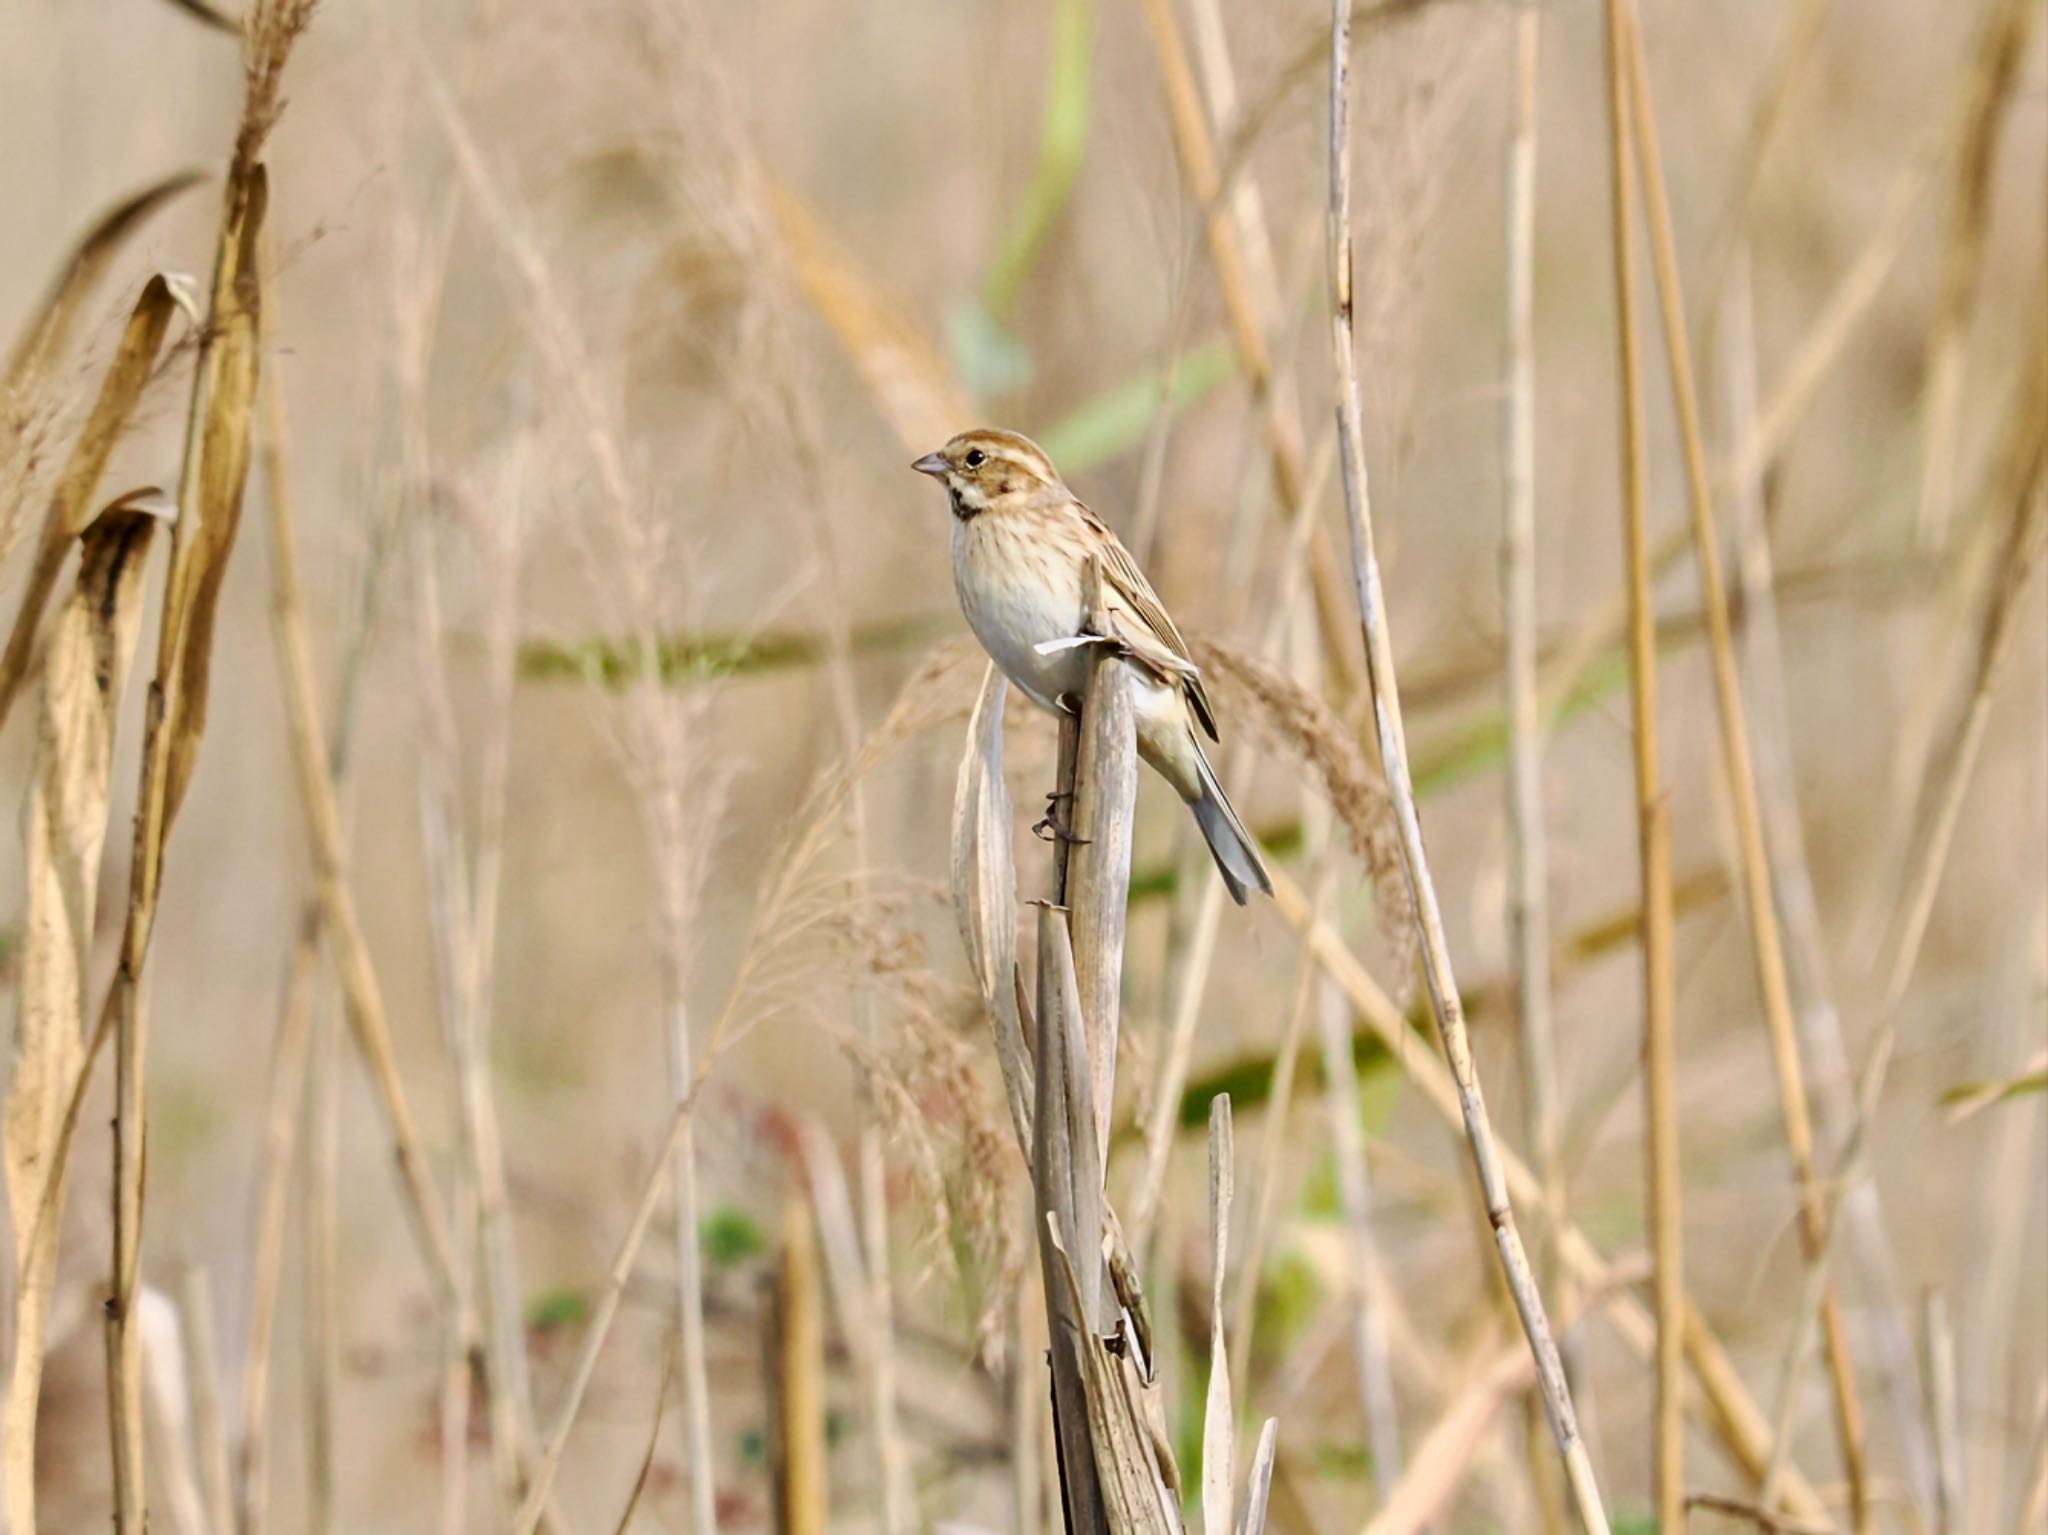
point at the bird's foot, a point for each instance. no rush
(1053, 827)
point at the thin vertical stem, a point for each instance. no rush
(1660, 1031)
(323, 1333)
(1386, 708)
(1738, 764)
(1528, 904)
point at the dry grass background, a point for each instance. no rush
(603, 333)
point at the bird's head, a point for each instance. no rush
(986, 468)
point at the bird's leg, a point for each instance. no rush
(1054, 827)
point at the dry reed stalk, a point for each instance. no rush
(1739, 769)
(341, 926)
(267, 1222)
(216, 460)
(1759, 1518)
(541, 1482)
(1660, 1023)
(464, 891)
(65, 831)
(1273, 1144)
(1355, 1195)
(321, 1345)
(202, 1374)
(1195, 142)
(1939, 1364)
(794, 1360)
(2014, 493)
(1828, 333)
(1386, 707)
(1794, 51)
(1820, 1019)
(1098, 875)
(1732, 1415)
(1528, 907)
(1995, 69)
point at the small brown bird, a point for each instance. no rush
(1021, 544)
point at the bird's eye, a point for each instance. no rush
(976, 458)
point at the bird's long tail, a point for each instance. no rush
(1237, 856)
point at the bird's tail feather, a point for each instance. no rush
(1236, 854)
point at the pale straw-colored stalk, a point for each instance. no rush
(1386, 708)
(1528, 906)
(1738, 765)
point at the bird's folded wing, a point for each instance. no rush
(1147, 629)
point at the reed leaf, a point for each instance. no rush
(65, 829)
(141, 339)
(985, 894)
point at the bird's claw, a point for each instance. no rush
(1051, 829)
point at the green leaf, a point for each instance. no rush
(1249, 1080)
(1062, 138)
(730, 1237)
(684, 658)
(563, 1306)
(1113, 422)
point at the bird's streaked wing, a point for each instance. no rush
(1152, 636)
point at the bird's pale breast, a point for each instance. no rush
(1018, 590)
(1017, 593)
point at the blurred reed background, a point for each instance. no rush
(587, 689)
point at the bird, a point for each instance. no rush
(1021, 544)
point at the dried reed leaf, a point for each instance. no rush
(126, 376)
(49, 328)
(1219, 1418)
(902, 369)
(985, 894)
(1135, 1497)
(207, 15)
(91, 645)
(212, 506)
(1259, 1484)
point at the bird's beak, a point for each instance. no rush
(931, 463)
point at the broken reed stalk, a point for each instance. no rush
(1098, 872)
(1528, 900)
(1660, 1007)
(1386, 709)
(1738, 765)
(794, 1359)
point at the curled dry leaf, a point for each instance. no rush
(50, 328)
(985, 893)
(211, 509)
(126, 376)
(65, 829)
